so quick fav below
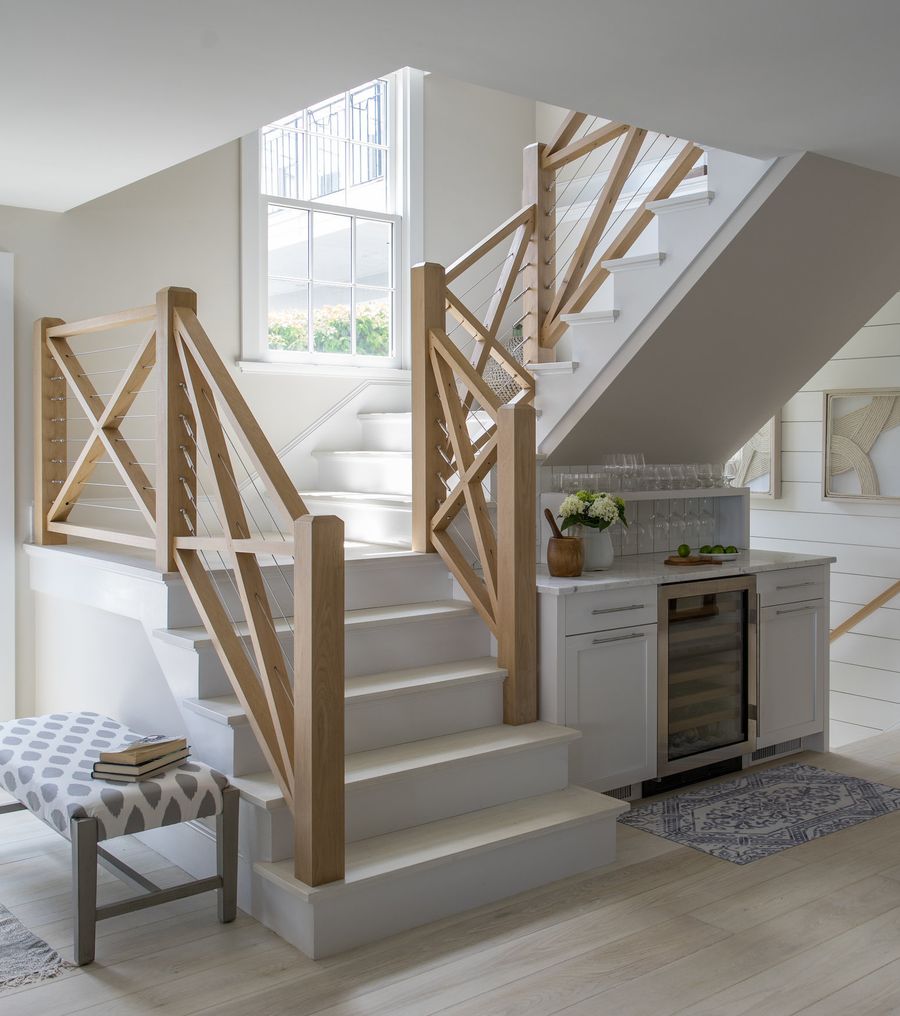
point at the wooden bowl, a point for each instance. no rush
(565, 556)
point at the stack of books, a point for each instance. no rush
(136, 760)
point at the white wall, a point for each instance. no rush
(181, 227)
(473, 162)
(864, 537)
(7, 501)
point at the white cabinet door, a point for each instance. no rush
(793, 658)
(611, 699)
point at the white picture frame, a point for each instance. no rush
(758, 463)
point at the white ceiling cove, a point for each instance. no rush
(99, 93)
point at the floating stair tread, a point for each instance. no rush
(413, 679)
(364, 617)
(416, 756)
(434, 843)
(681, 202)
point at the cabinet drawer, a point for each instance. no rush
(613, 608)
(791, 586)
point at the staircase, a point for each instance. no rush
(446, 806)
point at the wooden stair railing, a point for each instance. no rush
(562, 281)
(453, 463)
(283, 650)
(472, 392)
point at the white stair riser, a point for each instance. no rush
(415, 644)
(385, 907)
(396, 719)
(365, 474)
(389, 432)
(232, 749)
(197, 673)
(263, 835)
(367, 584)
(427, 795)
(368, 522)
(376, 723)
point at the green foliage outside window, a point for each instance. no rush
(288, 329)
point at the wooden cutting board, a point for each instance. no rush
(674, 559)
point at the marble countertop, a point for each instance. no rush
(648, 569)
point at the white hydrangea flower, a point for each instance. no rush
(571, 505)
(604, 509)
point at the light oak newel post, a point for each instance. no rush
(50, 432)
(319, 699)
(176, 449)
(517, 559)
(538, 189)
(428, 312)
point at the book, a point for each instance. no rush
(144, 767)
(143, 750)
(134, 777)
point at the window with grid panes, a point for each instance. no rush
(326, 177)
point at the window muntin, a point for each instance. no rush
(331, 233)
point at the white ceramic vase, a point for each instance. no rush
(598, 549)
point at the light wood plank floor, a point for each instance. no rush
(813, 930)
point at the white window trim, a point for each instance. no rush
(406, 151)
(7, 495)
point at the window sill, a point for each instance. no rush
(324, 370)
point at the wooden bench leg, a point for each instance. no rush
(83, 832)
(227, 854)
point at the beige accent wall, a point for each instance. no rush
(181, 227)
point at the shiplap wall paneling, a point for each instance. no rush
(864, 536)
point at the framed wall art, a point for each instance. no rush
(862, 445)
(758, 464)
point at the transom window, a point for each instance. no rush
(332, 236)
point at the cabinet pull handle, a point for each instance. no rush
(617, 610)
(620, 638)
(795, 585)
(795, 610)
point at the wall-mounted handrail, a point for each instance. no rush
(865, 611)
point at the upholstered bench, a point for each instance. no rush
(46, 762)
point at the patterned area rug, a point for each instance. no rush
(761, 813)
(25, 958)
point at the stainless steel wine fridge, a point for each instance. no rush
(707, 672)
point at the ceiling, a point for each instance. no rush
(99, 93)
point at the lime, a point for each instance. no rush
(731, 549)
(684, 550)
(706, 549)
(718, 549)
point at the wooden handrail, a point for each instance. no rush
(293, 697)
(879, 601)
(523, 217)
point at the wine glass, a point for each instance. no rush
(660, 522)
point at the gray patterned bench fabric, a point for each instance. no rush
(46, 761)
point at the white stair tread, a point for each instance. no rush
(363, 453)
(553, 367)
(224, 709)
(364, 617)
(591, 317)
(634, 261)
(403, 501)
(416, 756)
(681, 202)
(227, 710)
(451, 838)
(435, 675)
(400, 759)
